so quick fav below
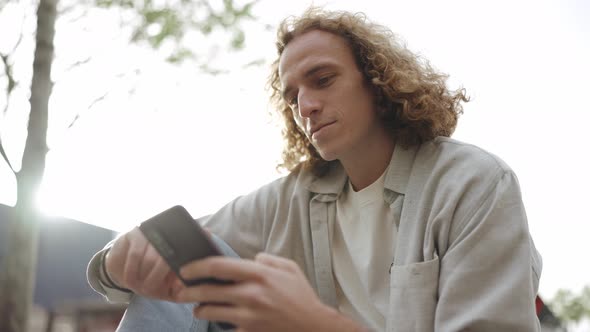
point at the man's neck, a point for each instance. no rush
(368, 165)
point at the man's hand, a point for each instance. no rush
(269, 294)
(133, 263)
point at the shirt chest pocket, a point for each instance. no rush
(413, 296)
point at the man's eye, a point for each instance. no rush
(293, 101)
(323, 81)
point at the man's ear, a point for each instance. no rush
(379, 99)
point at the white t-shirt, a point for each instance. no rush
(362, 252)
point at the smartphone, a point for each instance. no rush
(180, 239)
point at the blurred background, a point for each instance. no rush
(158, 103)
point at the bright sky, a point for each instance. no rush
(190, 139)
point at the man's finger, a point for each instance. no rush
(225, 268)
(135, 255)
(148, 262)
(115, 260)
(243, 293)
(220, 313)
(204, 293)
(276, 262)
(156, 279)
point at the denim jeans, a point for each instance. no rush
(148, 315)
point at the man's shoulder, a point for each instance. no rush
(445, 152)
(448, 163)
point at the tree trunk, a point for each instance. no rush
(17, 275)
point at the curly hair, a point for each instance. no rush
(414, 101)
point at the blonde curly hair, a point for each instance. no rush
(415, 103)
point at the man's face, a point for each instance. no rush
(330, 100)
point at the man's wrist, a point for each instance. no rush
(104, 277)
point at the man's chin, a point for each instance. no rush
(327, 155)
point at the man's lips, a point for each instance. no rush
(317, 128)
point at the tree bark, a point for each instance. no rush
(17, 275)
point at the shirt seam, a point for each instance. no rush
(493, 184)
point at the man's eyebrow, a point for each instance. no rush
(319, 67)
(310, 72)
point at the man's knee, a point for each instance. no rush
(145, 314)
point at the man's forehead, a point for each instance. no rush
(310, 50)
(311, 43)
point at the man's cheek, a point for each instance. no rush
(300, 124)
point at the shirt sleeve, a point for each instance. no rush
(239, 224)
(489, 276)
(112, 295)
(244, 222)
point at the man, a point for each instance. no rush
(384, 223)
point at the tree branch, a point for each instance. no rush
(131, 91)
(68, 10)
(8, 68)
(78, 64)
(10, 86)
(20, 38)
(94, 102)
(5, 156)
(11, 82)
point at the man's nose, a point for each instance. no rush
(308, 104)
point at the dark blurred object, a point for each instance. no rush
(549, 322)
(61, 289)
(92, 316)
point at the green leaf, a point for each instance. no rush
(237, 42)
(180, 55)
(570, 307)
(158, 22)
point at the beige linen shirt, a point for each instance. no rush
(464, 258)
